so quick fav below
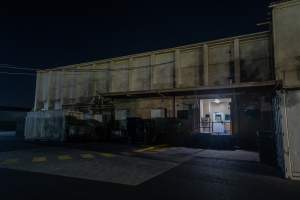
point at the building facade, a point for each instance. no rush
(234, 86)
(286, 31)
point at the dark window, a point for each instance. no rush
(182, 114)
(227, 117)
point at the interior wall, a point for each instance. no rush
(209, 107)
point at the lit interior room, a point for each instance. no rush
(215, 116)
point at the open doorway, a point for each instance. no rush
(215, 116)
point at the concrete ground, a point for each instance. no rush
(90, 171)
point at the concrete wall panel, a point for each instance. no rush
(140, 74)
(119, 76)
(220, 63)
(142, 107)
(286, 31)
(292, 105)
(162, 71)
(83, 83)
(45, 85)
(41, 90)
(190, 72)
(255, 60)
(69, 85)
(156, 70)
(286, 25)
(55, 85)
(101, 78)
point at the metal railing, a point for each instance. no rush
(215, 128)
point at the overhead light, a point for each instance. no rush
(217, 101)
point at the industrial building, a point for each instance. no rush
(236, 87)
(12, 120)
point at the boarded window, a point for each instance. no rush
(158, 113)
(121, 114)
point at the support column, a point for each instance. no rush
(176, 71)
(130, 81)
(62, 88)
(89, 86)
(94, 90)
(49, 90)
(174, 107)
(286, 136)
(152, 63)
(109, 77)
(237, 64)
(234, 109)
(205, 64)
(76, 87)
(72, 84)
(37, 86)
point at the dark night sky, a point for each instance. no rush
(43, 40)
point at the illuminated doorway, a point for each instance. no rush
(215, 116)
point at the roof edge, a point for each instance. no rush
(283, 3)
(221, 40)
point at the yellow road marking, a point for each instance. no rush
(162, 145)
(108, 155)
(87, 156)
(160, 148)
(64, 157)
(145, 149)
(39, 159)
(10, 161)
(156, 148)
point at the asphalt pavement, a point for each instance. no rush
(115, 171)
